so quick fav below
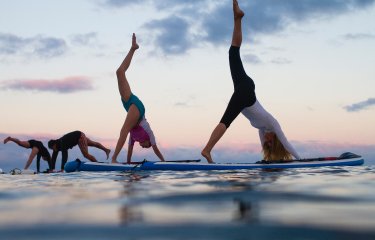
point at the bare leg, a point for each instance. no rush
(215, 137)
(24, 144)
(130, 121)
(83, 146)
(98, 145)
(123, 84)
(236, 41)
(237, 30)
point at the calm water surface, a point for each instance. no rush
(315, 203)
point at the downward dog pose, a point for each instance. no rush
(135, 121)
(274, 143)
(37, 149)
(70, 140)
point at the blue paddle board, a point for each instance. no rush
(346, 159)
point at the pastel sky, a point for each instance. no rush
(312, 63)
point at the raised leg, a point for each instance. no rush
(237, 29)
(98, 145)
(123, 84)
(24, 144)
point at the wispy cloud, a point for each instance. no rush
(281, 61)
(206, 21)
(66, 85)
(181, 104)
(251, 58)
(40, 46)
(84, 39)
(359, 36)
(356, 107)
(186, 103)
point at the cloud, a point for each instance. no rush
(281, 61)
(181, 104)
(66, 85)
(40, 46)
(359, 36)
(251, 58)
(160, 5)
(84, 39)
(121, 3)
(356, 107)
(207, 21)
(165, 32)
(186, 103)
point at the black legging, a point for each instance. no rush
(244, 88)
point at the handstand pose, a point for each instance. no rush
(37, 149)
(135, 121)
(70, 140)
(274, 143)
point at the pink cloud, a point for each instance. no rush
(65, 85)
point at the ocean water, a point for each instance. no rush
(311, 203)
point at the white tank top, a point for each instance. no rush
(265, 122)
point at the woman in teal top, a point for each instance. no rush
(134, 107)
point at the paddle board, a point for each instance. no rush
(345, 159)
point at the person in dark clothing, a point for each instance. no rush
(68, 141)
(37, 149)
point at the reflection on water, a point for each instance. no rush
(246, 211)
(334, 202)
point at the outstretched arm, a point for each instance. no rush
(284, 141)
(130, 153)
(123, 84)
(38, 163)
(64, 158)
(33, 153)
(157, 152)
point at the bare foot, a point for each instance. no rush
(114, 161)
(237, 12)
(107, 152)
(207, 155)
(135, 45)
(6, 140)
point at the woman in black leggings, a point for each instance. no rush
(275, 146)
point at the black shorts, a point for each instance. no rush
(35, 143)
(244, 88)
(42, 149)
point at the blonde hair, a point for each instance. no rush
(275, 151)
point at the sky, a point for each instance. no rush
(312, 63)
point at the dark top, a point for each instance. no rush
(68, 141)
(43, 152)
